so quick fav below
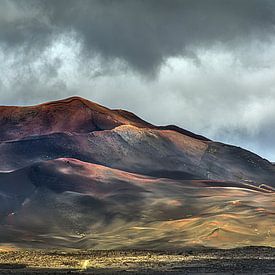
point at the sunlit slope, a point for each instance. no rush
(75, 204)
(71, 115)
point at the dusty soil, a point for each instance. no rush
(250, 260)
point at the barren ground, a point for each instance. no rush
(250, 260)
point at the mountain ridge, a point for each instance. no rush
(92, 113)
(76, 174)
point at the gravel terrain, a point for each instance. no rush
(250, 260)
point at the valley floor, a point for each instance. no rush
(249, 260)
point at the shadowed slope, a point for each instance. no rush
(160, 153)
(67, 202)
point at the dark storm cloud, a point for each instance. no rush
(142, 33)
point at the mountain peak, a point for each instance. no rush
(74, 115)
(72, 166)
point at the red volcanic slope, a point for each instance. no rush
(73, 115)
(68, 174)
(85, 176)
(175, 181)
(80, 129)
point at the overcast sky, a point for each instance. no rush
(205, 65)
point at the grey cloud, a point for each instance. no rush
(141, 33)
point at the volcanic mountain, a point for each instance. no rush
(77, 174)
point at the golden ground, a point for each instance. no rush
(248, 260)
